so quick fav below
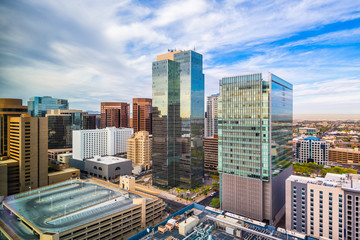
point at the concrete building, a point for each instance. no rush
(344, 155)
(79, 209)
(178, 119)
(38, 106)
(142, 110)
(108, 167)
(306, 131)
(255, 149)
(100, 142)
(63, 175)
(311, 149)
(325, 208)
(63, 122)
(212, 115)
(9, 107)
(138, 149)
(115, 114)
(211, 153)
(26, 164)
(54, 153)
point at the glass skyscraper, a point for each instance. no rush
(255, 144)
(178, 84)
(38, 106)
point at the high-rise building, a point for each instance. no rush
(138, 149)
(141, 120)
(26, 165)
(178, 119)
(212, 115)
(63, 122)
(211, 153)
(255, 145)
(311, 149)
(115, 114)
(38, 106)
(324, 208)
(100, 142)
(9, 107)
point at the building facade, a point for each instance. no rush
(178, 119)
(38, 106)
(100, 142)
(307, 131)
(344, 155)
(108, 167)
(212, 115)
(138, 149)
(142, 109)
(324, 207)
(255, 149)
(211, 153)
(311, 149)
(115, 114)
(26, 166)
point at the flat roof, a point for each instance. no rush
(108, 160)
(62, 171)
(66, 205)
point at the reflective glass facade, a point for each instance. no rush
(38, 106)
(60, 131)
(166, 123)
(178, 85)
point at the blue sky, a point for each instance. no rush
(93, 51)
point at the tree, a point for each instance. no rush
(215, 202)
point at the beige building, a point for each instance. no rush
(138, 149)
(63, 175)
(344, 155)
(107, 213)
(26, 164)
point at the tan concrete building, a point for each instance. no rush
(27, 164)
(138, 149)
(211, 153)
(107, 213)
(63, 175)
(344, 155)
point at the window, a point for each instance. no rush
(117, 168)
(100, 168)
(95, 167)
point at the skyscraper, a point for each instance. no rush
(38, 106)
(115, 114)
(26, 165)
(178, 102)
(255, 149)
(212, 115)
(141, 120)
(138, 149)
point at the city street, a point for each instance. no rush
(207, 200)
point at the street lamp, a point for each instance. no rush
(39, 195)
(51, 202)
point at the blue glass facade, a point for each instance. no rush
(38, 106)
(181, 80)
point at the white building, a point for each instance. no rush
(100, 142)
(211, 122)
(311, 149)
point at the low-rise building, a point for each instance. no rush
(344, 155)
(78, 209)
(306, 131)
(63, 175)
(324, 207)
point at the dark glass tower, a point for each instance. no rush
(189, 159)
(255, 145)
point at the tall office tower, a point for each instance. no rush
(9, 107)
(212, 115)
(62, 122)
(141, 120)
(311, 149)
(27, 165)
(324, 208)
(100, 142)
(211, 153)
(178, 119)
(255, 145)
(138, 149)
(38, 106)
(115, 114)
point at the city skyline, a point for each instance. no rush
(87, 60)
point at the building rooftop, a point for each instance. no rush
(345, 181)
(355, 150)
(62, 171)
(63, 206)
(108, 160)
